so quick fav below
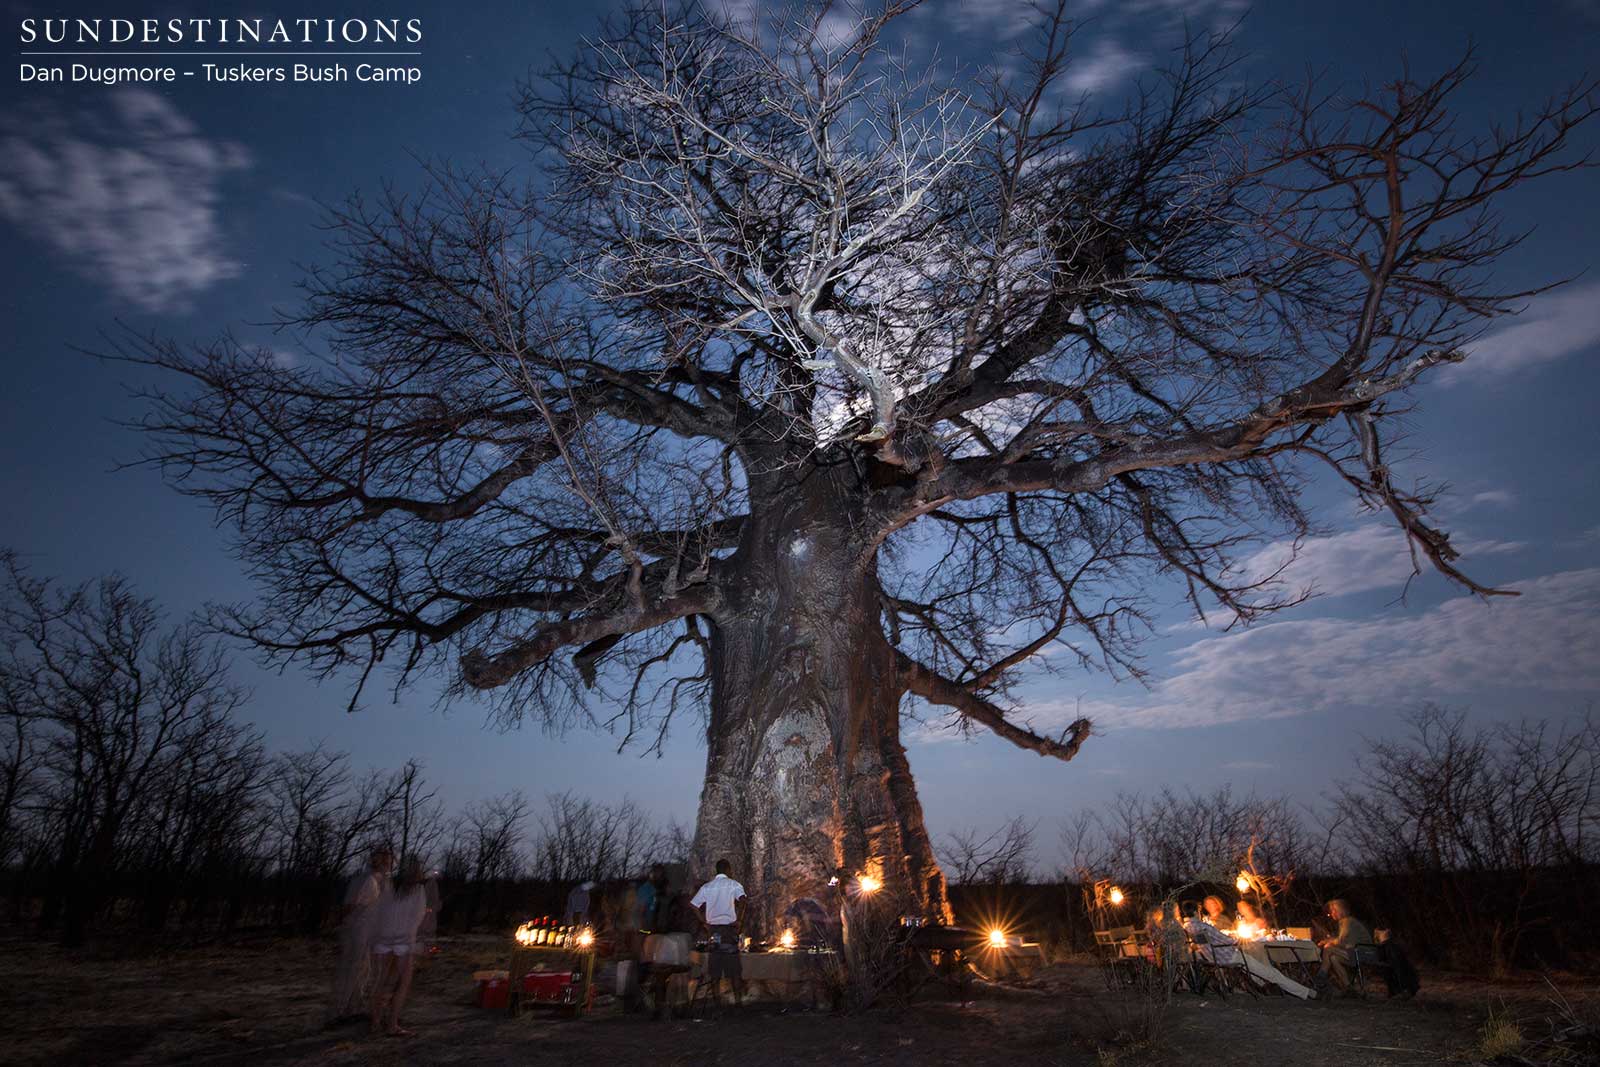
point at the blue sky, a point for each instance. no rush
(185, 210)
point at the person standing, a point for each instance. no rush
(363, 893)
(649, 896)
(578, 904)
(720, 903)
(394, 946)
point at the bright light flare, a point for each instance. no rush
(997, 938)
(585, 938)
(869, 884)
(1243, 881)
(1116, 896)
(524, 934)
(786, 939)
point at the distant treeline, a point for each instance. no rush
(133, 797)
(132, 794)
(1478, 846)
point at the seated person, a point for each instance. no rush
(1215, 946)
(1399, 973)
(1168, 940)
(1339, 950)
(1158, 929)
(1216, 913)
(1251, 918)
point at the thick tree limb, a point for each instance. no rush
(937, 689)
(483, 670)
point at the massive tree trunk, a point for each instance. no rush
(805, 773)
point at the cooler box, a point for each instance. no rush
(549, 987)
(494, 989)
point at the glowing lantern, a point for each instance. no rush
(870, 884)
(585, 938)
(786, 939)
(1243, 881)
(997, 938)
(1116, 895)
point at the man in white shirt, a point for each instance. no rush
(720, 903)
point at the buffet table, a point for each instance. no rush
(774, 975)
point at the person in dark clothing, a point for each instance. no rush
(1399, 974)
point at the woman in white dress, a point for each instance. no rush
(394, 946)
(363, 894)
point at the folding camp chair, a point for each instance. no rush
(1109, 955)
(1366, 960)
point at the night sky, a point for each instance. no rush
(185, 209)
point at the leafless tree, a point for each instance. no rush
(797, 380)
(414, 824)
(19, 765)
(122, 710)
(1002, 857)
(493, 831)
(1458, 809)
(580, 838)
(1169, 839)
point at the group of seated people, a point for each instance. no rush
(1211, 929)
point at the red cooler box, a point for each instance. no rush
(494, 989)
(550, 987)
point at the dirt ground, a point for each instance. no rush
(263, 1004)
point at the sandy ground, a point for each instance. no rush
(263, 1004)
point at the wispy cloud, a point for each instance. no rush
(129, 197)
(1106, 64)
(1371, 556)
(1546, 640)
(1003, 19)
(1499, 498)
(1555, 325)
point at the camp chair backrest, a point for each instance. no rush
(1370, 955)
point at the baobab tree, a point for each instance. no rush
(800, 385)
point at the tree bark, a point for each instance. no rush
(806, 777)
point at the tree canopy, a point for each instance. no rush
(1054, 346)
